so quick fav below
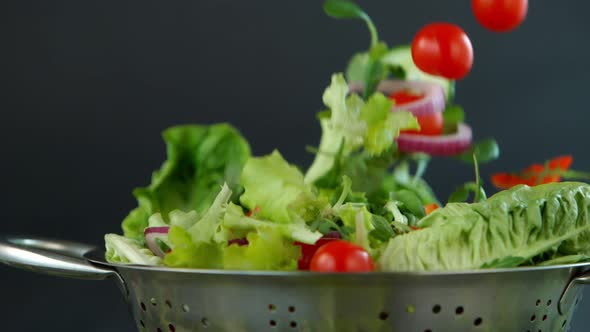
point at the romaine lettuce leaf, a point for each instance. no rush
(199, 160)
(522, 222)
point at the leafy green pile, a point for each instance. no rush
(216, 206)
(352, 189)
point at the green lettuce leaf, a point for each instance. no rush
(240, 225)
(199, 160)
(267, 250)
(510, 227)
(201, 245)
(356, 137)
(278, 189)
(189, 254)
(123, 250)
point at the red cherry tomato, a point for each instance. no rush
(341, 256)
(443, 49)
(500, 15)
(431, 124)
(308, 250)
(403, 97)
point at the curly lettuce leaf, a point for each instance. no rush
(199, 160)
(122, 250)
(189, 254)
(267, 250)
(509, 228)
(355, 133)
(383, 126)
(278, 190)
(240, 225)
(200, 246)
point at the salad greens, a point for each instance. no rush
(200, 159)
(509, 229)
(213, 205)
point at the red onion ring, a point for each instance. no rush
(434, 99)
(152, 234)
(445, 145)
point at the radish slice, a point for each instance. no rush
(434, 99)
(445, 145)
(152, 234)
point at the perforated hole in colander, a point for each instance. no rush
(478, 321)
(153, 301)
(291, 309)
(383, 315)
(171, 328)
(159, 329)
(142, 305)
(548, 302)
(272, 323)
(533, 318)
(538, 303)
(293, 324)
(205, 322)
(459, 310)
(544, 318)
(436, 309)
(272, 307)
(168, 304)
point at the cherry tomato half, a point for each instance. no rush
(443, 49)
(431, 124)
(500, 15)
(341, 256)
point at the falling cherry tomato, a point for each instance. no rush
(443, 49)
(500, 15)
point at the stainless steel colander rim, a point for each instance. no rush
(97, 257)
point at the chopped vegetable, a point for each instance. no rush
(500, 15)
(444, 145)
(341, 256)
(552, 171)
(443, 49)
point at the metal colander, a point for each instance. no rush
(174, 300)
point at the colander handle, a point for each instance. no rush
(55, 257)
(566, 299)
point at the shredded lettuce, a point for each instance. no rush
(123, 250)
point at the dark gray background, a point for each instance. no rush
(89, 86)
